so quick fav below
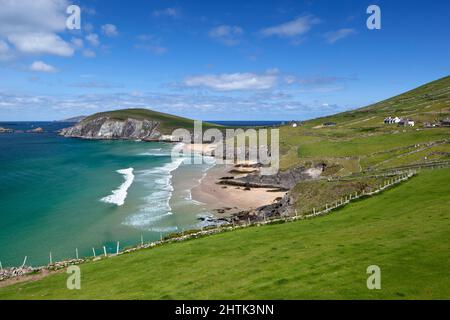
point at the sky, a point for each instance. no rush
(215, 60)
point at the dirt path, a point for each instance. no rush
(28, 278)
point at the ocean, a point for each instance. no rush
(60, 195)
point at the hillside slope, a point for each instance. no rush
(428, 102)
(359, 140)
(168, 122)
(405, 231)
(143, 124)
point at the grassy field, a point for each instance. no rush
(360, 135)
(404, 230)
(317, 194)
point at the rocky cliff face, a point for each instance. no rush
(283, 179)
(107, 128)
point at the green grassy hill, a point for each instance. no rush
(360, 140)
(426, 103)
(168, 122)
(405, 231)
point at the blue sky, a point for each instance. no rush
(215, 60)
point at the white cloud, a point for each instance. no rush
(110, 30)
(334, 36)
(41, 43)
(145, 37)
(156, 49)
(168, 12)
(290, 79)
(268, 104)
(96, 85)
(88, 53)
(5, 51)
(228, 35)
(32, 26)
(234, 81)
(293, 28)
(92, 38)
(40, 66)
(4, 47)
(32, 16)
(150, 43)
(88, 27)
(88, 10)
(77, 43)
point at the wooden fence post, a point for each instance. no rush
(24, 261)
(104, 250)
(76, 253)
(118, 243)
(93, 250)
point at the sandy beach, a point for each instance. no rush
(230, 199)
(225, 200)
(199, 148)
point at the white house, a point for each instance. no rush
(391, 120)
(406, 123)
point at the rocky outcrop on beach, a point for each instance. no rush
(6, 130)
(283, 179)
(36, 130)
(107, 128)
(280, 208)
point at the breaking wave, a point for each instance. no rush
(157, 204)
(119, 195)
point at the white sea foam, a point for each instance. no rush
(156, 209)
(119, 195)
(157, 204)
(164, 229)
(153, 154)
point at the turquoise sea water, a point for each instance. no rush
(54, 194)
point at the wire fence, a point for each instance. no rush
(204, 231)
